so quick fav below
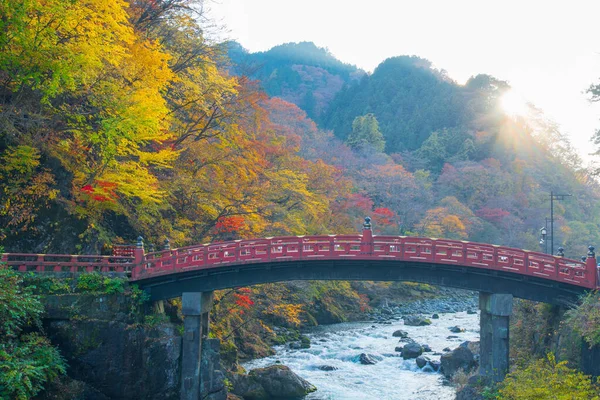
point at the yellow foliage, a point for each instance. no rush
(288, 312)
(440, 223)
(548, 379)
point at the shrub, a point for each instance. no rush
(92, 282)
(585, 319)
(547, 379)
(27, 361)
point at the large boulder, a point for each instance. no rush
(474, 347)
(411, 350)
(400, 334)
(415, 320)
(112, 357)
(274, 382)
(457, 359)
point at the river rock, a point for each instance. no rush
(452, 337)
(398, 349)
(446, 349)
(304, 342)
(416, 320)
(411, 350)
(456, 329)
(471, 312)
(474, 347)
(367, 359)
(276, 381)
(427, 365)
(422, 361)
(400, 334)
(426, 348)
(327, 368)
(435, 316)
(459, 358)
(295, 345)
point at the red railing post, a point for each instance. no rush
(591, 266)
(139, 258)
(366, 242)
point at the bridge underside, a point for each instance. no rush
(223, 277)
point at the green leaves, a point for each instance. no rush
(27, 361)
(19, 307)
(365, 133)
(585, 319)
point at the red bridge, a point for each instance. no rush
(469, 265)
(193, 272)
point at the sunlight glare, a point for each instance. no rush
(513, 103)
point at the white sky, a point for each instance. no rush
(549, 51)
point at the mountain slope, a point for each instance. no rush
(300, 73)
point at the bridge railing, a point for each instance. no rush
(325, 247)
(368, 247)
(41, 263)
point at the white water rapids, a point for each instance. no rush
(340, 345)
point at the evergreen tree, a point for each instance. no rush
(365, 132)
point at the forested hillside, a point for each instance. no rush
(139, 127)
(300, 73)
(446, 160)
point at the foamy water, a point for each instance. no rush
(340, 345)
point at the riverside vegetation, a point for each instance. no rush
(133, 121)
(85, 326)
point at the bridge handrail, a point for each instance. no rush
(402, 248)
(72, 263)
(363, 246)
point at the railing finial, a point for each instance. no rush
(367, 224)
(583, 258)
(561, 252)
(167, 245)
(591, 253)
(140, 242)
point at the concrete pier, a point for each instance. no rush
(495, 309)
(195, 309)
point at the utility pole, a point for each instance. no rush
(552, 198)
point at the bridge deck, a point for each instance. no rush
(143, 266)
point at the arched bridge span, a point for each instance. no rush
(498, 273)
(475, 266)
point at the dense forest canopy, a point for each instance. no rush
(301, 73)
(140, 125)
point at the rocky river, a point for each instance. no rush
(334, 364)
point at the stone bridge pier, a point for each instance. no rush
(195, 308)
(496, 309)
